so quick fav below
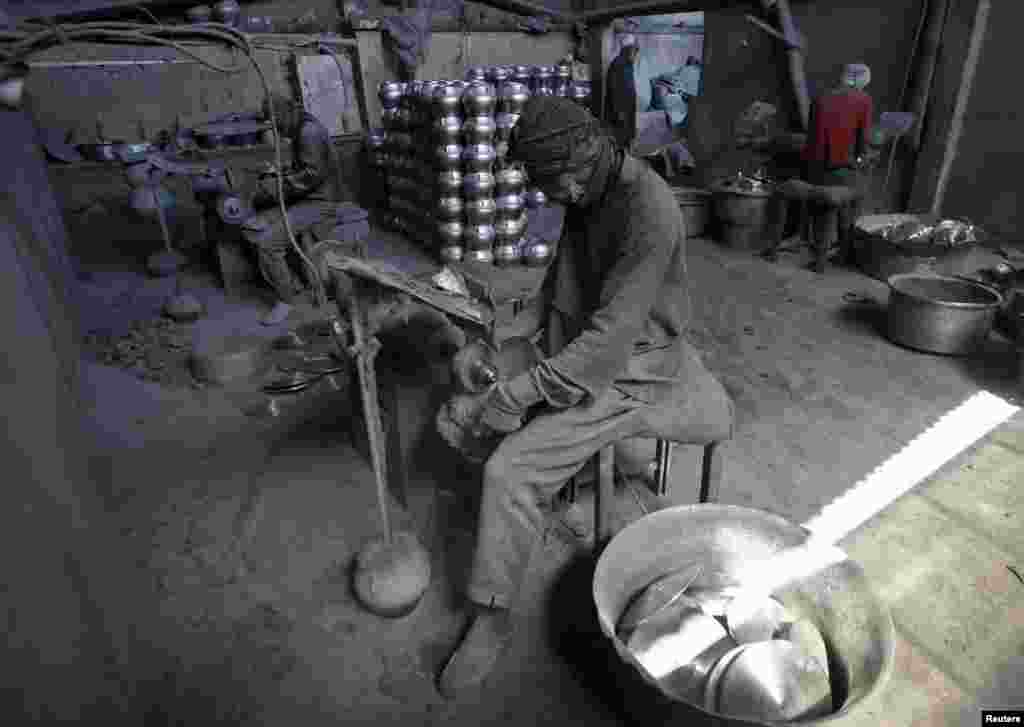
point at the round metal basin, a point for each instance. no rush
(856, 625)
(941, 314)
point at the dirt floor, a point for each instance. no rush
(245, 523)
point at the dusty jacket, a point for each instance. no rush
(618, 297)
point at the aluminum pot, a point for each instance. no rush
(563, 71)
(522, 74)
(510, 180)
(479, 129)
(510, 205)
(199, 14)
(478, 184)
(481, 211)
(538, 253)
(449, 182)
(448, 100)
(477, 73)
(390, 93)
(452, 254)
(940, 314)
(450, 207)
(498, 74)
(507, 253)
(479, 237)
(535, 198)
(480, 256)
(479, 157)
(451, 233)
(448, 129)
(513, 96)
(478, 99)
(510, 228)
(448, 156)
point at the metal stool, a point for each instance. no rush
(604, 492)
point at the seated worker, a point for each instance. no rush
(618, 365)
(312, 189)
(839, 139)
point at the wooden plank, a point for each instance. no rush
(388, 276)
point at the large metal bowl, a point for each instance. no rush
(940, 314)
(839, 600)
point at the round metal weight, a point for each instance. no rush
(510, 228)
(510, 180)
(513, 96)
(504, 124)
(448, 129)
(509, 205)
(538, 253)
(390, 93)
(448, 156)
(448, 100)
(535, 198)
(479, 157)
(450, 207)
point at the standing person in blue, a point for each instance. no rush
(621, 92)
(618, 365)
(312, 189)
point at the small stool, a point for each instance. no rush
(710, 482)
(833, 199)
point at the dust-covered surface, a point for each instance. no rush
(245, 527)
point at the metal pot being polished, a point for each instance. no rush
(449, 129)
(448, 156)
(390, 93)
(477, 237)
(510, 205)
(510, 180)
(513, 96)
(479, 157)
(522, 74)
(478, 99)
(449, 182)
(478, 184)
(479, 129)
(451, 233)
(477, 73)
(510, 228)
(450, 207)
(940, 314)
(498, 74)
(481, 211)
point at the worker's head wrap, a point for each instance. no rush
(556, 136)
(856, 75)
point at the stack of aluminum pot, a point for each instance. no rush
(443, 152)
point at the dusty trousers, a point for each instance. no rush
(267, 232)
(531, 465)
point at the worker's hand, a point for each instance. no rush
(500, 415)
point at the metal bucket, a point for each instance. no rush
(940, 314)
(856, 625)
(695, 204)
(881, 259)
(746, 217)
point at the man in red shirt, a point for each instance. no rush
(840, 130)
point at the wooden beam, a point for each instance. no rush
(653, 7)
(524, 7)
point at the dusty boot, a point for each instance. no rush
(277, 314)
(477, 653)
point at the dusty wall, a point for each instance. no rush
(983, 177)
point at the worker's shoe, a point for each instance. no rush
(478, 652)
(278, 314)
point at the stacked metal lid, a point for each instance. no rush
(443, 153)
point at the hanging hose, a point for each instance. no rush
(18, 45)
